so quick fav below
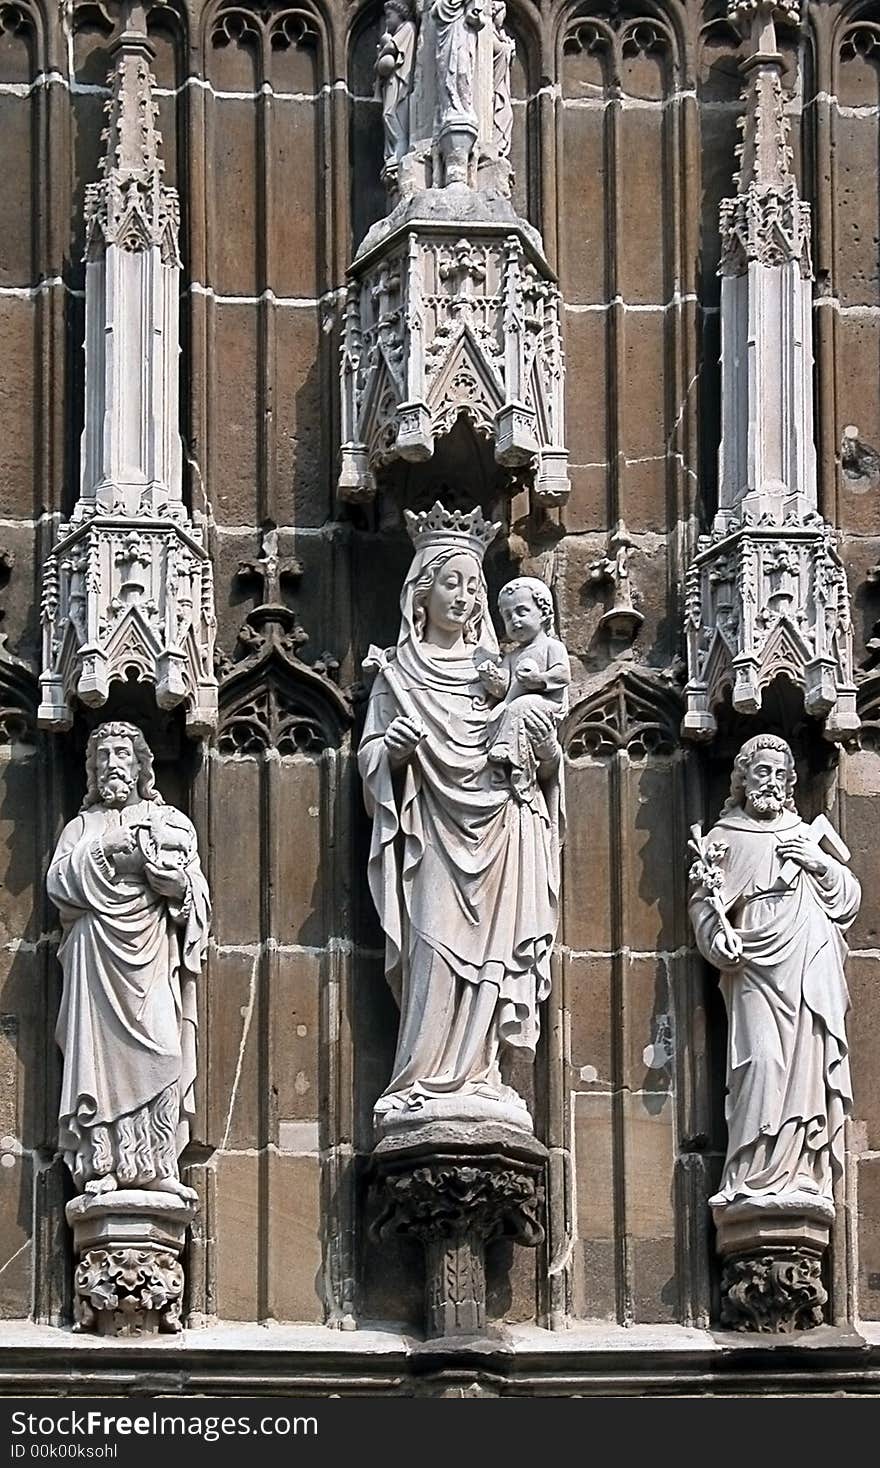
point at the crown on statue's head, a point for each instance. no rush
(441, 526)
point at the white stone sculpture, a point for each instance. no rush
(767, 592)
(128, 588)
(135, 914)
(463, 869)
(534, 674)
(457, 24)
(394, 69)
(503, 50)
(771, 900)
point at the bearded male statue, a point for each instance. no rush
(135, 914)
(769, 908)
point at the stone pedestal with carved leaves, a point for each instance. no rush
(456, 1188)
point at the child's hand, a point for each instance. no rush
(493, 679)
(529, 674)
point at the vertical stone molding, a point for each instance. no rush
(771, 898)
(128, 589)
(767, 593)
(452, 308)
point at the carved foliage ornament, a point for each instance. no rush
(765, 1292)
(128, 1287)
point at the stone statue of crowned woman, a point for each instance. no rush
(463, 870)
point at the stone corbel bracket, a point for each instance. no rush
(622, 620)
(455, 1189)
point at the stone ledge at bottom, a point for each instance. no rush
(590, 1359)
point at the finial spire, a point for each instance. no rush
(764, 154)
(131, 206)
(131, 135)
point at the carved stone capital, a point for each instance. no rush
(455, 1189)
(780, 1291)
(128, 1291)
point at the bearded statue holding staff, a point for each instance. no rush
(771, 900)
(463, 868)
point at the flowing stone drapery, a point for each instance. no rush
(135, 914)
(769, 907)
(128, 1014)
(463, 870)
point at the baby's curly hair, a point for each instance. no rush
(541, 596)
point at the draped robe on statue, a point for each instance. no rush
(788, 1077)
(465, 878)
(127, 1022)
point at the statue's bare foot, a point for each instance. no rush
(105, 1184)
(174, 1185)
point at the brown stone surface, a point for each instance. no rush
(18, 405)
(240, 1206)
(233, 459)
(588, 853)
(649, 1026)
(588, 995)
(236, 849)
(234, 1002)
(295, 1040)
(653, 840)
(304, 456)
(643, 428)
(648, 1145)
(869, 1237)
(294, 1285)
(864, 1037)
(17, 262)
(644, 241)
(857, 198)
(858, 397)
(594, 1166)
(584, 223)
(585, 336)
(16, 1255)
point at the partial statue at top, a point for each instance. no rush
(453, 314)
(464, 863)
(443, 68)
(771, 900)
(394, 72)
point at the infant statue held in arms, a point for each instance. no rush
(463, 868)
(135, 914)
